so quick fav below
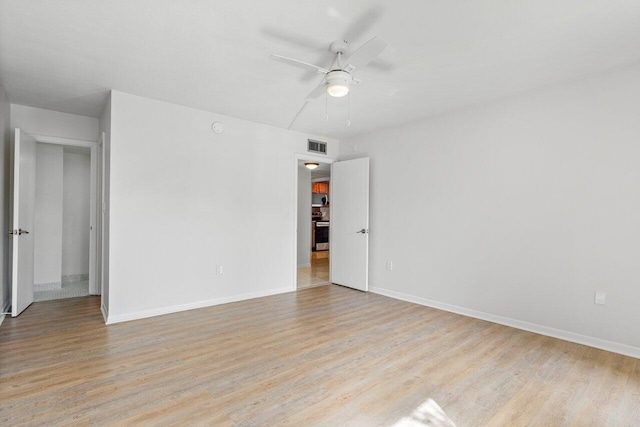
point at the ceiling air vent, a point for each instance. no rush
(317, 146)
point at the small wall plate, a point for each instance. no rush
(217, 127)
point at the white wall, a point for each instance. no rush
(5, 144)
(75, 214)
(304, 216)
(520, 208)
(48, 214)
(184, 199)
(53, 123)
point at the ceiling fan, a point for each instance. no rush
(338, 78)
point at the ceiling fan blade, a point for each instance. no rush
(365, 53)
(322, 54)
(320, 90)
(298, 114)
(313, 95)
(361, 25)
(299, 64)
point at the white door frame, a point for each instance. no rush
(94, 196)
(297, 158)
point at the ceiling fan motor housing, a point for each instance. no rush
(339, 46)
(338, 82)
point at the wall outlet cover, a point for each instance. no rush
(600, 298)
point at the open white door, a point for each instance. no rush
(23, 201)
(350, 223)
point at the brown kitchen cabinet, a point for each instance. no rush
(320, 187)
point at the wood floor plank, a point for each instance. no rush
(321, 356)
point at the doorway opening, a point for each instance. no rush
(70, 217)
(347, 200)
(313, 225)
(61, 222)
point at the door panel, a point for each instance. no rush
(350, 223)
(23, 201)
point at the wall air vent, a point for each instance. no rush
(317, 146)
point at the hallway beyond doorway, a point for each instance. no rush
(317, 274)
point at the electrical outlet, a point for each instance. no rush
(390, 265)
(600, 298)
(218, 269)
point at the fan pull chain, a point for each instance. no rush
(326, 107)
(349, 109)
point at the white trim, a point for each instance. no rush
(294, 210)
(102, 213)
(191, 306)
(313, 158)
(93, 247)
(614, 347)
(105, 312)
(304, 265)
(98, 214)
(7, 310)
(14, 199)
(46, 139)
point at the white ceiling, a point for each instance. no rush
(322, 171)
(214, 55)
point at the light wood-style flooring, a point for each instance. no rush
(325, 355)
(317, 274)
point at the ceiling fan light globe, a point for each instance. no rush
(338, 82)
(337, 90)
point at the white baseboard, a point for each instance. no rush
(105, 313)
(304, 265)
(117, 318)
(5, 309)
(614, 347)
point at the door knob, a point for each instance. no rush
(363, 231)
